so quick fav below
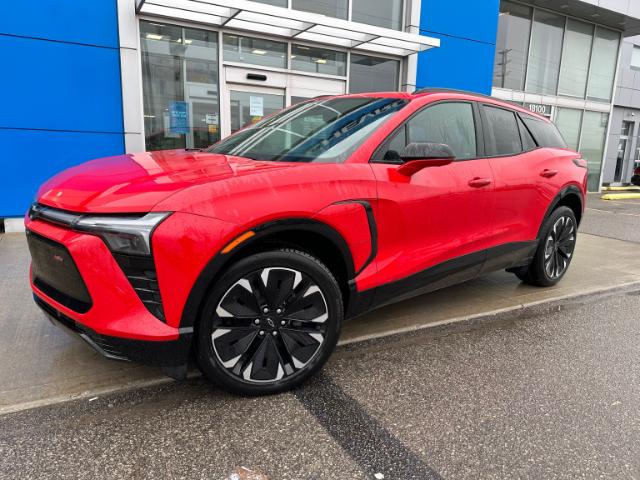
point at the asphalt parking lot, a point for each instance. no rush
(543, 387)
(551, 394)
(612, 218)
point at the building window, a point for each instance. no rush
(255, 51)
(569, 122)
(373, 74)
(576, 52)
(512, 44)
(603, 64)
(635, 57)
(544, 57)
(318, 60)
(594, 130)
(381, 13)
(330, 8)
(180, 86)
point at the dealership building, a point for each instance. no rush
(106, 77)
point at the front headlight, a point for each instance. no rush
(128, 235)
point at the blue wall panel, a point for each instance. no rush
(60, 86)
(62, 97)
(467, 30)
(29, 157)
(82, 21)
(458, 63)
(471, 19)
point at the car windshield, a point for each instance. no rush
(322, 130)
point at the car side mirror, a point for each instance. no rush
(417, 156)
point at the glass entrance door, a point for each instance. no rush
(249, 104)
(623, 147)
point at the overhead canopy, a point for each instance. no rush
(291, 24)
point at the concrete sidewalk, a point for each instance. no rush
(41, 364)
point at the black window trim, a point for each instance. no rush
(517, 115)
(522, 117)
(480, 147)
(524, 125)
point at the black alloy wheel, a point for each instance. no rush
(271, 322)
(559, 247)
(557, 242)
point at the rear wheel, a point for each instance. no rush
(555, 251)
(269, 323)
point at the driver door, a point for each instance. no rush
(436, 223)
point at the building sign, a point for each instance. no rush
(256, 106)
(178, 117)
(539, 108)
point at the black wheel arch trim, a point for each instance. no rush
(216, 265)
(569, 190)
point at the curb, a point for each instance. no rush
(620, 196)
(621, 189)
(531, 308)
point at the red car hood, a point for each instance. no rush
(137, 182)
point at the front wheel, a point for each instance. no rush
(555, 251)
(270, 322)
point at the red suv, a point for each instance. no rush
(252, 253)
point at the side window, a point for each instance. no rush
(393, 148)
(503, 135)
(545, 133)
(528, 143)
(450, 123)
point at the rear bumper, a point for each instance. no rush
(169, 354)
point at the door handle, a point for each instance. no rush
(546, 173)
(479, 182)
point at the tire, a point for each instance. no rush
(555, 251)
(635, 180)
(252, 351)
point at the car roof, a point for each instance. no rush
(446, 93)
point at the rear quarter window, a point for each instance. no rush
(503, 136)
(546, 134)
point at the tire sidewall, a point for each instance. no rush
(321, 276)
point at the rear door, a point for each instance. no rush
(523, 171)
(514, 157)
(440, 214)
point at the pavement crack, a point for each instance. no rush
(360, 435)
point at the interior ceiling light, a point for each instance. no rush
(153, 36)
(257, 51)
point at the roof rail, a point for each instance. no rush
(466, 92)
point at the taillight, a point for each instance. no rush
(636, 171)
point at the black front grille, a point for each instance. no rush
(56, 274)
(141, 272)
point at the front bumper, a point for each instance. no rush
(168, 354)
(114, 320)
